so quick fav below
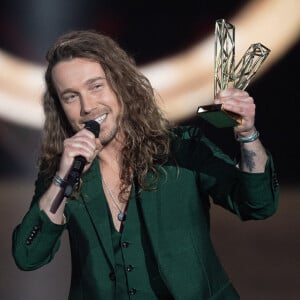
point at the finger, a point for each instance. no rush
(245, 125)
(85, 133)
(232, 92)
(243, 109)
(79, 143)
(235, 100)
(78, 146)
(246, 102)
(229, 102)
(84, 136)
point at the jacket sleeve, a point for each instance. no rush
(248, 195)
(36, 239)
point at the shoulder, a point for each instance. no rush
(185, 142)
(186, 133)
(189, 143)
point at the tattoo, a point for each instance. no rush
(248, 159)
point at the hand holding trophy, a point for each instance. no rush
(227, 75)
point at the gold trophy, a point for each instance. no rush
(228, 75)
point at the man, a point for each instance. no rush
(139, 221)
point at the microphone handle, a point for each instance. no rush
(74, 175)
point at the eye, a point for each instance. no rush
(68, 98)
(97, 86)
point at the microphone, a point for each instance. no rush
(79, 161)
(73, 177)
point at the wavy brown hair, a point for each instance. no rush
(145, 129)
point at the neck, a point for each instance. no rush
(110, 154)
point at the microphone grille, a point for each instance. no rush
(93, 126)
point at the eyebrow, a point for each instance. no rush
(87, 82)
(92, 80)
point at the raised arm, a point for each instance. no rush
(253, 154)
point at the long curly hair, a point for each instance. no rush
(145, 129)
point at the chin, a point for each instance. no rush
(107, 137)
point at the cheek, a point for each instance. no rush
(74, 125)
(118, 106)
(72, 118)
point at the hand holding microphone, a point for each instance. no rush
(73, 177)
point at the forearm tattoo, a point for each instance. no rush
(248, 159)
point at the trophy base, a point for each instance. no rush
(217, 116)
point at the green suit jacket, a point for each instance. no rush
(176, 218)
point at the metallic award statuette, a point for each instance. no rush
(228, 75)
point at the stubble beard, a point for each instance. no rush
(110, 136)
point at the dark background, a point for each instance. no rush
(261, 257)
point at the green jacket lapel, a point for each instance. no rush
(94, 201)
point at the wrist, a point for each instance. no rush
(59, 181)
(247, 138)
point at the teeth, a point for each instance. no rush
(101, 118)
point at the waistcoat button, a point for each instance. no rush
(129, 268)
(125, 244)
(112, 276)
(132, 291)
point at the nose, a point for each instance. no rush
(87, 104)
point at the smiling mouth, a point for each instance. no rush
(101, 118)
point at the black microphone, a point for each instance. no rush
(79, 161)
(73, 177)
